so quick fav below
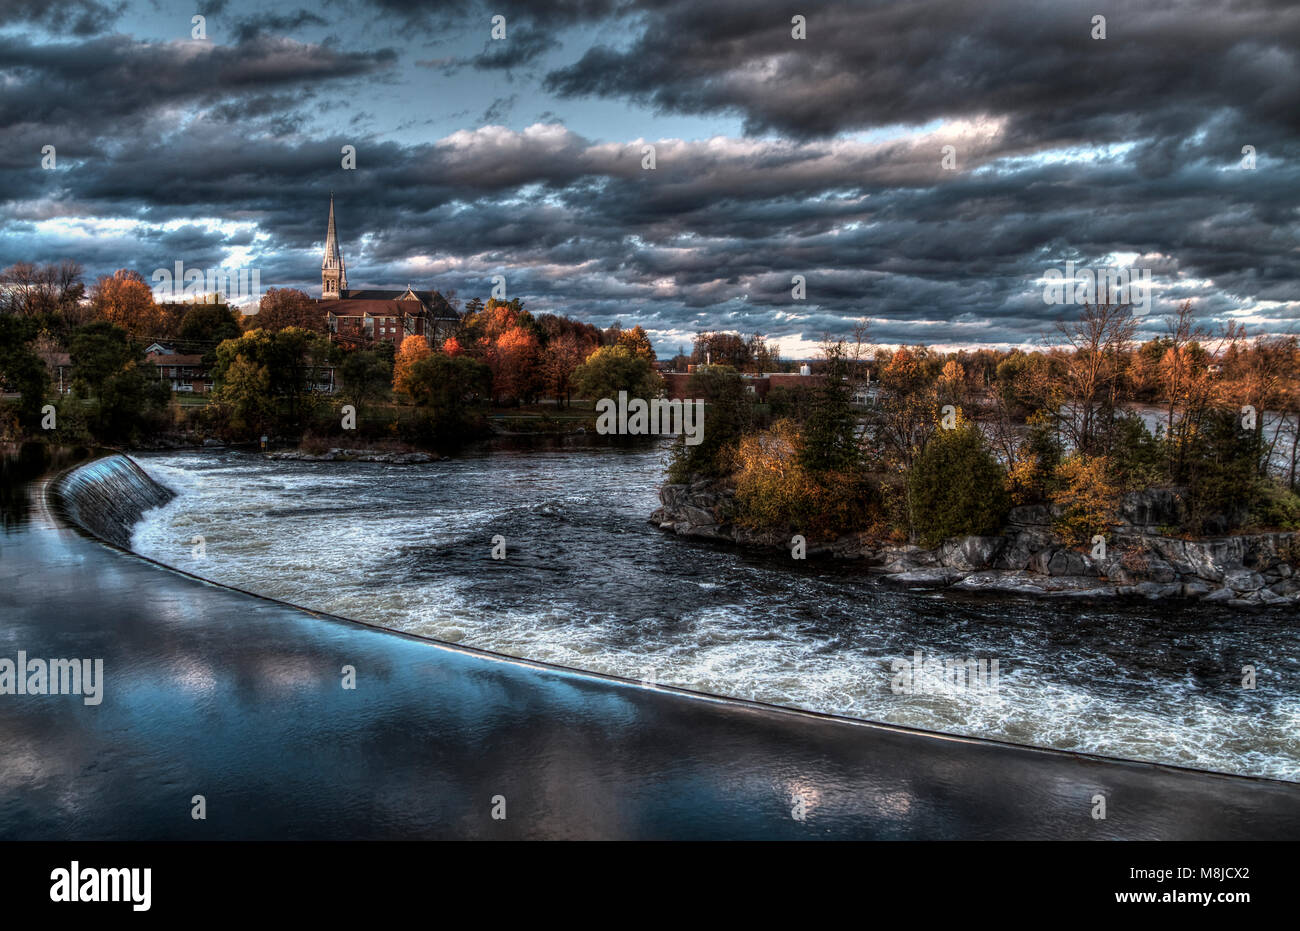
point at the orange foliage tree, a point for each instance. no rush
(124, 299)
(513, 361)
(413, 349)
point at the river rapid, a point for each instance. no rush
(586, 582)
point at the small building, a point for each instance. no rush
(185, 373)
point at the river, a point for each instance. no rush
(586, 582)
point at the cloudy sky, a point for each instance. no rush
(775, 156)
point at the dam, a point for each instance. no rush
(239, 699)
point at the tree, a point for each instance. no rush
(611, 369)
(956, 487)
(560, 359)
(1087, 491)
(366, 375)
(287, 307)
(125, 300)
(728, 416)
(206, 326)
(445, 387)
(413, 349)
(21, 368)
(112, 369)
(30, 290)
(292, 358)
(1099, 343)
(830, 435)
(243, 403)
(513, 360)
(636, 340)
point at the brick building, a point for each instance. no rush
(364, 317)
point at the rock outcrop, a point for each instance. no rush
(1028, 558)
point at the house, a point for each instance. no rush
(185, 373)
(363, 317)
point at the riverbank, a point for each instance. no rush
(1028, 558)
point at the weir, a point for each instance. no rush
(108, 496)
(238, 698)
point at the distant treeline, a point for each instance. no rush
(944, 444)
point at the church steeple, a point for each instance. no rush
(333, 271)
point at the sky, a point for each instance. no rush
(824, 157)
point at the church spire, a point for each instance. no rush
(333, 271)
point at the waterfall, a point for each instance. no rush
(107, 496)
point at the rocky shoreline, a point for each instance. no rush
(1245, 570)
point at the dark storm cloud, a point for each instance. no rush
(96, 85)
(1066, 148)
(1160, 70)
(78, 17)
(554, 13)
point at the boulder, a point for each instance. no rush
(1030, 515)
(1020, 548)
(1243, 580)
(970, 553)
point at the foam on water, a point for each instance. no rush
(587, 583)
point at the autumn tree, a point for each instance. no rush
(560, 359)
(1097, 345)
(287, 307)
(638, 342)
(125, 300)
(513, 360)
(413, 349)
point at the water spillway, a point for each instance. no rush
(108, 496)
(211, 691)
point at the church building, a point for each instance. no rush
(361, 318)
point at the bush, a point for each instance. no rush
(1276, 508)
(774, 491)
(956, 487)
(1086, 487)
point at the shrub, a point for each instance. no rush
(1089, 493)
(775, 491)
(956, 486)
(728, 415)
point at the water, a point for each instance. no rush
(588, 583)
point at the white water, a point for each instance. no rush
(587, 583)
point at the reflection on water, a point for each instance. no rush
(588, 583)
